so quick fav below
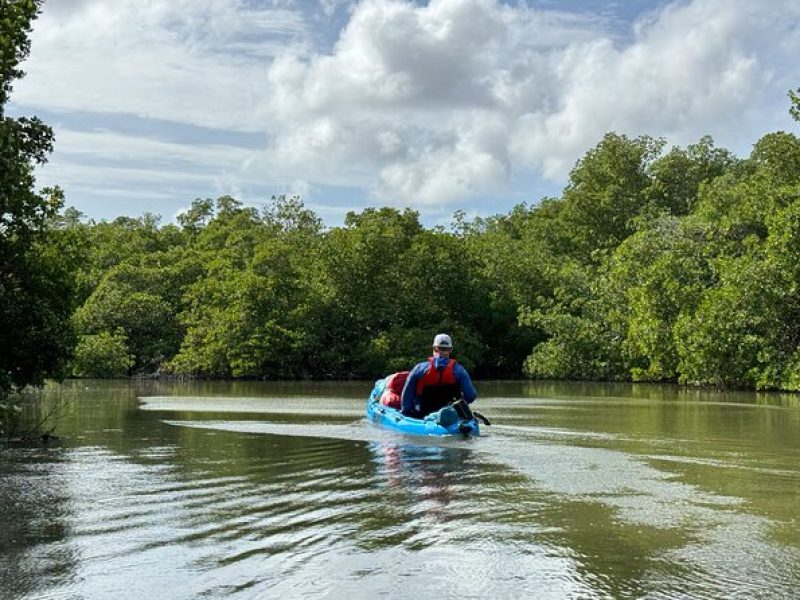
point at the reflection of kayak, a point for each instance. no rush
(442, 422)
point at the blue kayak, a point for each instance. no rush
(442, 422)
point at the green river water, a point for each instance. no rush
(284, 490)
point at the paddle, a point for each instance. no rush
(481, 417)
(466, 413)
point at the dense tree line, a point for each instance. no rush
(654, 264)
(234, 291)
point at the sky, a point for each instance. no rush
(441, 106)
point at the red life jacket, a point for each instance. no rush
(435, 377)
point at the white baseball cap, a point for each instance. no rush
(443, 340)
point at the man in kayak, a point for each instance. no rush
(437, 382)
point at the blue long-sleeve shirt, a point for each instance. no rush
(410, 400)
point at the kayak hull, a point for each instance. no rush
(441, 423)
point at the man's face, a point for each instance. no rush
(442, 351)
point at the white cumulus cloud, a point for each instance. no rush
(470, 91)
(424, 105)
(192, 61)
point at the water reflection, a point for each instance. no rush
(276, 490)
(424, 478)
(36, 512)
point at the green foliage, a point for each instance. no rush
(16, 17)
(197, 216)
(778, 157)
(584, 334)
(677, 266)
(606, 191)
(103, 355)
(794, 110)
(367, 293)
(661, 273)
(246, 313)
(107, 244)
(37, 257)
(691, 275)
(730, 339)
(677, 176)
(147, 320)
(288, 214)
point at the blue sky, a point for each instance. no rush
(473, 105)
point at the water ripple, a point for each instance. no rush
(286, 506)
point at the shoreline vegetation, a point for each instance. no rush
(657, 264)
(675, 266)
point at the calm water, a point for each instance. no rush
(285, 491)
